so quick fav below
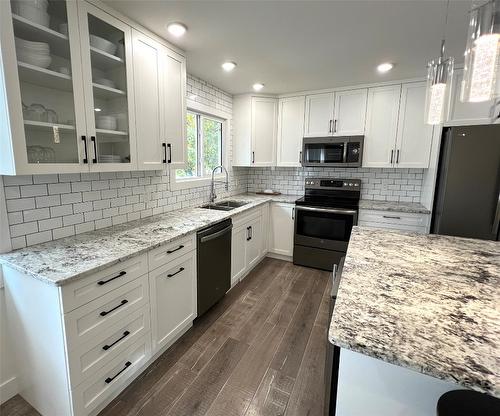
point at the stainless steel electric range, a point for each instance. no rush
(324, 218)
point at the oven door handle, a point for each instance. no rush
(329, 210)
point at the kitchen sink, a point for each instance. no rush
(225, 205)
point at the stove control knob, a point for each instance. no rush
(345, 183)
(350, 184)
(356, 184)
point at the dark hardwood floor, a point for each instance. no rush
(259, 352)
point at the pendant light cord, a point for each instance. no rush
(445, 26)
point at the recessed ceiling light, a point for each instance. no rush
(193, 96)
(228, 66)
(258, 86)
(177, 29)
(385, 67)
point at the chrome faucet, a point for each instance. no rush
(212, 186)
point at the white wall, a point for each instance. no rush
(8, 386)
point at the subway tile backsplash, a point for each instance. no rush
(47, 207)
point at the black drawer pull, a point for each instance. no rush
(393, 217)
(248, 233)
(177, 272)
(103, 282)
(173, 251)
(123, 302)
(110, 379)
(125, 335)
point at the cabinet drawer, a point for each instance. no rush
(246, 216)
(171, 251)
(84, 323)
(173, 298)
(89, 288)
(89, 357)
(112, 377)
(390, 226)
(394, 218)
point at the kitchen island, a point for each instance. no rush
(426, 303)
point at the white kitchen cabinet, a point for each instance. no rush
(90, 76)
(414, 136)
(159, 78)
(247, 243)
(282, 228)
(173, 299)
(290, 131)
(381, 126)
(108, 89)
(319, 115)
(350, 112)
(254, 130)
(175, 111)
(461, 113)
(30, 141)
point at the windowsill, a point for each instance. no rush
(176, 184)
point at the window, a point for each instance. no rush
(204, 146)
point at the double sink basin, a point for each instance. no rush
(224, 205)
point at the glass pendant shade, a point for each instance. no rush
(482, 54)
(439, 75)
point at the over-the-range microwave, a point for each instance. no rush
(346, 151)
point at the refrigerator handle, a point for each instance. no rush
(496, 221)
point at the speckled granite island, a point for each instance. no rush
(424, 302)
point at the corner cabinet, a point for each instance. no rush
(255, 130)
(72, 107)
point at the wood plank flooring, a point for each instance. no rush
(259, 352)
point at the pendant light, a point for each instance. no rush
(481, 71)
(439, 74)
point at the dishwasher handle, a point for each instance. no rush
(216, 235)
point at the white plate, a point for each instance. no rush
(102, 44)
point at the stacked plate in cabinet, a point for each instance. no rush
(33, 53)
(32, 10)
(110, 159)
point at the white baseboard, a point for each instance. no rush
(280, 256)
(8, 389)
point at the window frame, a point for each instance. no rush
(211, 113)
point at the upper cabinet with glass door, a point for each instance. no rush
(107, 75)
(43, 88)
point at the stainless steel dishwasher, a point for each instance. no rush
(214, 264)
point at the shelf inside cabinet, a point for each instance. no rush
(111, 132)
(102, 91)
(104, 60)
(28, 30)
(44, 77)
(44, 126)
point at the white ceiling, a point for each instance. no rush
(302, 45)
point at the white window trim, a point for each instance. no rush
(178, 184)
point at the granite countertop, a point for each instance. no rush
(61, 261)
(426, 302)
(410, 207)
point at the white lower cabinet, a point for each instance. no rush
(282, 229)
(394, 220)
(80, 344)
(173, 299)
(247, 243)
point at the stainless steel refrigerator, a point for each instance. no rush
(467, 197)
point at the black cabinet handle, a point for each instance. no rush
(86, 158)
(300, 157)
(392, 155)
(293, 213)
(173, 251)
(123, 302)
(164, 152)
(92, 139)
(103, 282)
(177, 272)
(110, 379)
(397, 156)
(125, 335)
(249, 235)
(169, 153)
(253, 157)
